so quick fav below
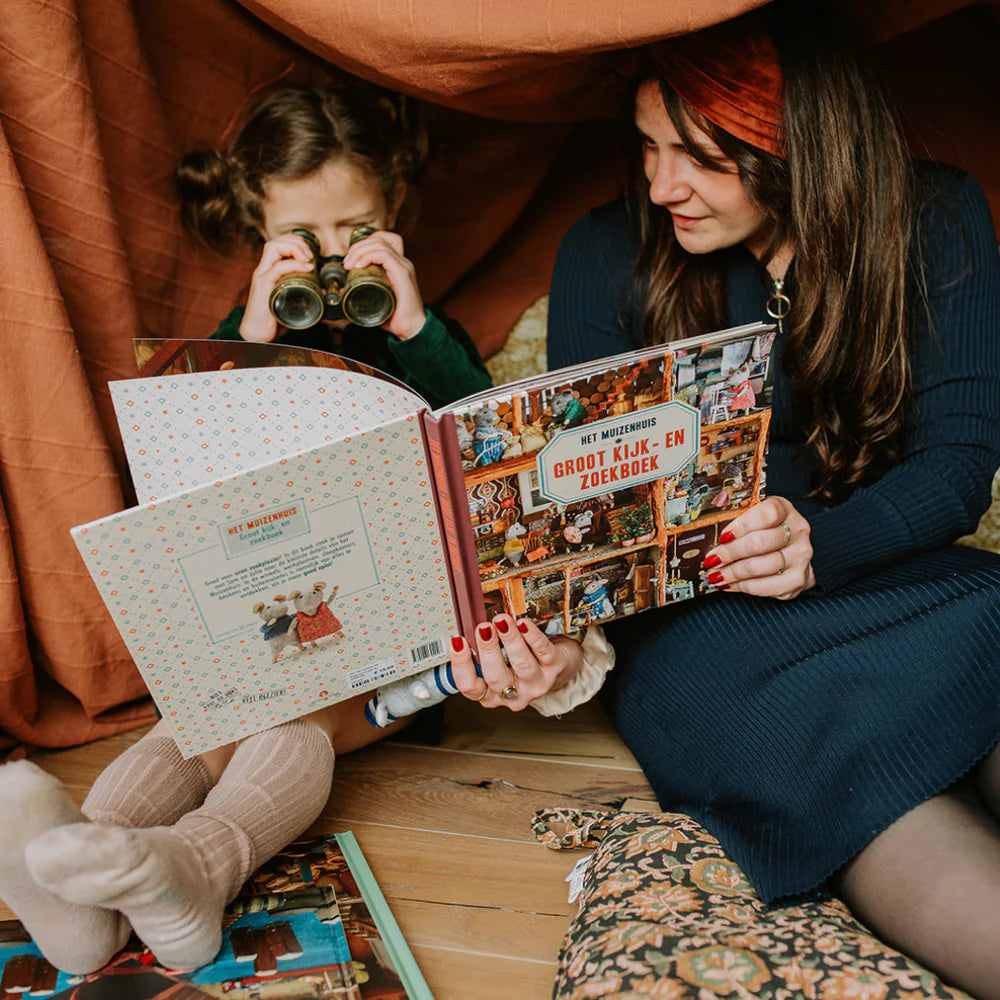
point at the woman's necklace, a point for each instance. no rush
(778, 304)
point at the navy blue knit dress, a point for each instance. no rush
(796, 731)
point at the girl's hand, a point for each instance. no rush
(765, 551)
(280, 256)
(535, 663)
(386, 249)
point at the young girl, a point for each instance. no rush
(818, 716)
(163, 843)
(329, 160)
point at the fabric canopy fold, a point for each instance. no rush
(98, 98)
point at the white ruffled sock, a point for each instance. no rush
(74, 938)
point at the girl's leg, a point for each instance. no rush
(73, 938)
(173, 882)
(929, 885)
(151, 784)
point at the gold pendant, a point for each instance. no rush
(778, 304)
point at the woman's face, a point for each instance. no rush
(710, 210)
(330, 202)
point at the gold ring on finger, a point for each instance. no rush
(509, 693)
(788, 534)
(783, 566)
(486, 691)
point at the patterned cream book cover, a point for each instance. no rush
(252, 599)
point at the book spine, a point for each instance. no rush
(402, 958)
(445, 461)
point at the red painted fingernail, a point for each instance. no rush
(723, 586)
(715, 577)
(726, 537)
(485, 631)
(457, 643)
(501, 626)
(712, 560)
(522, 626)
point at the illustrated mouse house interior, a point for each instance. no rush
(632, 548)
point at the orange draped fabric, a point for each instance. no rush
(99, 97)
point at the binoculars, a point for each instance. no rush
(362, 295)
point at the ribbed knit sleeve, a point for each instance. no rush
(942, 486)
(441, 361)
(589, 314)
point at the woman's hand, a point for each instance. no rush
(765, 551)
(534, 666)
(386, 249)
(283, 255)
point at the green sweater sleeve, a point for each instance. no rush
(229, 328)
(441, 361)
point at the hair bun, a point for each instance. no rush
(204, 184)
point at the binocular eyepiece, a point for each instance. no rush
(363, 295)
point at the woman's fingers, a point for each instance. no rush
(463, 671)
(497, 674)
(520, 657)
(766, 551)
(518, 663)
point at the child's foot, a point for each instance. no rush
(153, 876)
(73, 938)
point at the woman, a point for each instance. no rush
(825, 716)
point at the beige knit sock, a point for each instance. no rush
(73, 938)
(150, 784)
(174, 882)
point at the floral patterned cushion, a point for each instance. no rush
(665, 914)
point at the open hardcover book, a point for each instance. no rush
(312, 922)
(312, 529)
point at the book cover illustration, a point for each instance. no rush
(286, 935)
(306, 534)
(599, 496)
(259, 598)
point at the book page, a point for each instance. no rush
(260, 598)
(180, 431)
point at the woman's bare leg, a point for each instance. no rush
(930, 886)
(987, 777)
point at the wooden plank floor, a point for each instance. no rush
(447, 832)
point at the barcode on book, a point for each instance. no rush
(432, 650)
(371, 675)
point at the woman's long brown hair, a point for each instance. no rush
(844, 198)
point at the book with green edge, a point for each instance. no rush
(399, 952)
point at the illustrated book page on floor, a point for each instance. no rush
(309, 923)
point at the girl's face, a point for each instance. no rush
(710, 210)
(330, 202)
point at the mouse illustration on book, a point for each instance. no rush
(313, 616)
(280, 629)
